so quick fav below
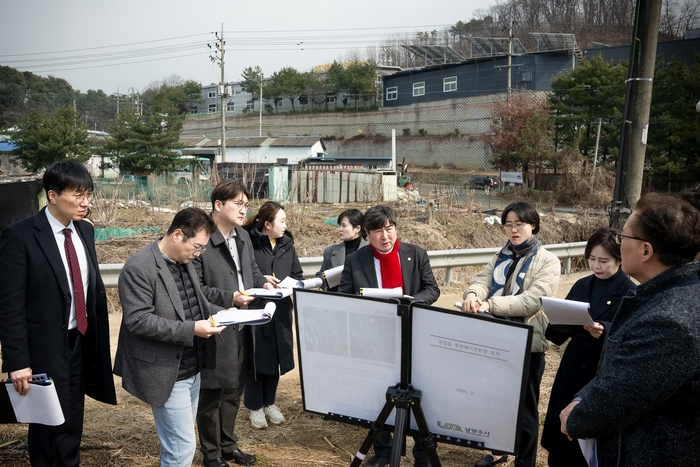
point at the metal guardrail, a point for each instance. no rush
(447, 259)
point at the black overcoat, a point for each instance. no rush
(272, 343)
(578, 364)
(217, 272)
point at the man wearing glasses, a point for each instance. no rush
(163, 342)
(53, 310)
(643, 407)
(226, 268)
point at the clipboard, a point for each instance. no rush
(40, 405)
(276, 294)
(236, 316)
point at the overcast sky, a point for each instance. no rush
(130, 43)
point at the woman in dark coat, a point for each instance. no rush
(603, 291)
(272, 350)
(351, 230)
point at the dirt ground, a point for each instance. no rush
(124, 435)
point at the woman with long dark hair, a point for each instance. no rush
(603, 290)
(352, 233)
(510, 287)
(272, 352)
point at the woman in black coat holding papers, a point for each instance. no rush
(277, 259)
(603, 291)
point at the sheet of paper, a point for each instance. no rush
(588, 448)
(396, 292)
(252, 317)
(291, 283)
(566, 312)
(274, 294)
(39, 405)
(333, 276)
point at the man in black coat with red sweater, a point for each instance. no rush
(388, 264)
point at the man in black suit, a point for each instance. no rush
(388, 264)
(53, 310)
(225, 268)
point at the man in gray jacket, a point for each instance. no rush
(226, 268)
(643, 407)
(165, 323)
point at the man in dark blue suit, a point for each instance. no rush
(389, 263)
(53, 310)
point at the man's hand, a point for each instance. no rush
(204, 328)
(595, 329)
(272, 280)
(471, 303)
(268, 286)
(20, 380)
(564, 416)
(240, 300)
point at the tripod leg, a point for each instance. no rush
(426, 436)
(373, 434)
(399, 436)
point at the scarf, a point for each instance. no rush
(390, 267)
(502, 280)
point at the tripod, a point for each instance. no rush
(404, 398)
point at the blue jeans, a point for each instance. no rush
(175, 424)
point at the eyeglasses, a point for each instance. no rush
(515, 225)
(241, 204)
(198, 250)
(619, 236)
(80, 197)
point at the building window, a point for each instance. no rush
(212, 94)
(392, 93)
(280, 103)
(449, 84)
(526, 76)
(230, 106)
(330, 99)
(419, 89)
(212, 108)
(250, 105)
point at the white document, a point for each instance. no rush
(274, 294)
(236, 316)
(333, 276)
(588, 448)
(396, 292)
(39, 405)
(566, 312)
(291, 283)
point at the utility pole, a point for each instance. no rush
(509, 66)
(635, 121)
(261, 104)
(117, 100)
(218, 57)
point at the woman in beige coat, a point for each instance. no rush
(510, 287)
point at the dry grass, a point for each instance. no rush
(124, 435)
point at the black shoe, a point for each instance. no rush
(218, 462)
(488, 460)
(239, 457)
(377, 461)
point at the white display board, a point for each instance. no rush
(472, 374)
(349, 353)
(470, 369)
